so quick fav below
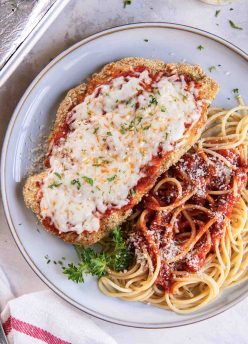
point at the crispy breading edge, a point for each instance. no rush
(208, 91)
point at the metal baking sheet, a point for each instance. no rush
(17, 19)
(22, 23)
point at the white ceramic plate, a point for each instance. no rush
(33, 117)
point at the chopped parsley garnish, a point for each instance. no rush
(217, 13)
(135, 122)
(185, 98)
(54, 185)
(132, 192)
(117, 258)
(132, 125)
(47, 259)
(95, 130)
(200, 47)
(153, 100)
(235, 90)
(163, 108)
(58, 175)
(145, 40)
(76, 182)
(166, 135)
(109, 133)
(212, 68)
(234, 26)
(88, 180)
(126, 2)
(123, 129)
(112, 178)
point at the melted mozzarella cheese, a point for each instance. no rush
(113, 133)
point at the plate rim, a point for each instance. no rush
(27, 257)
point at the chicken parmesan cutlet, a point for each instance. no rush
(112, 138)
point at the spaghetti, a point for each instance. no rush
(190, 233)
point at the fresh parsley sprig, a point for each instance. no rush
(118, 258)
(77, 183)
(121, 256)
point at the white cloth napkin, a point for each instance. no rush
(43, 317)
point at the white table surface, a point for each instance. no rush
(78, 20)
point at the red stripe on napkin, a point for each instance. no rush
(33, 331)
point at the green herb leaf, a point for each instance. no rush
(54, 185)
(126, 2)
(47, 259)
(112, 178)
(153, 100)
(145, 40)
(234, 26)
(123, 129)
(58, 175)
(211, 69)
(200, 47)
(235, 90)
(76, 182)
(109, 133)
(132, 125)
(217, 13)
(132, 192)
(163, 108)
(95, 130)
(88, 180)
